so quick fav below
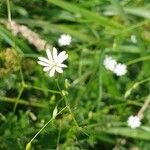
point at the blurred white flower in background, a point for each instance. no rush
(109, 63)
(112, 65)
(54, 62)
(134, 122)
(133, 39)
(64, 39)
(120, 69)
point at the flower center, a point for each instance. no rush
(54, 64)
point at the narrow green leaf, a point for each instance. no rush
(141, 12)
(17, 44)
(59, 28)
(9, 40)
(127, 132)
(87, 14)
(75, 33)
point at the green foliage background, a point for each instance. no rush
(95, 109)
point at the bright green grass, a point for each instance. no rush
(92, 103)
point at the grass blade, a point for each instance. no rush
(105, 22)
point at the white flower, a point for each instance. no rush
(120, 69)
(133, 39)
(112, 65)
(134, 122)
(109, 63)
(65, 39)
(54, 62)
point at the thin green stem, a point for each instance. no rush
(100, 80)
(41, 89)
(58, 139)
(145, 58)
(69, 109)
(46, 125)
(67, 104)
(135, 85)
(126, 101)
(22, 102)
(132, 27)
(132, 102)
(8, 11)
(30, 55)
(17, 99)
(21, 74)
(143, 81)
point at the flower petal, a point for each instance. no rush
(49, 55)
(61, 55)
(43, 63)
(54, 54)
(52, 72)
(46, 69)
(44, 59)
(63, 58)
(62, 65)
(59, 70)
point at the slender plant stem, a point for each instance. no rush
(132, 27)
(8, 11)
(22, 102)
(69, 109)
(21, 74)
(100, 88)
(41, 89)
(145, 58)
(143, 108)
(58, 139)
(46, 125)
(17, 99)
(67, 104)
(128, 92)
